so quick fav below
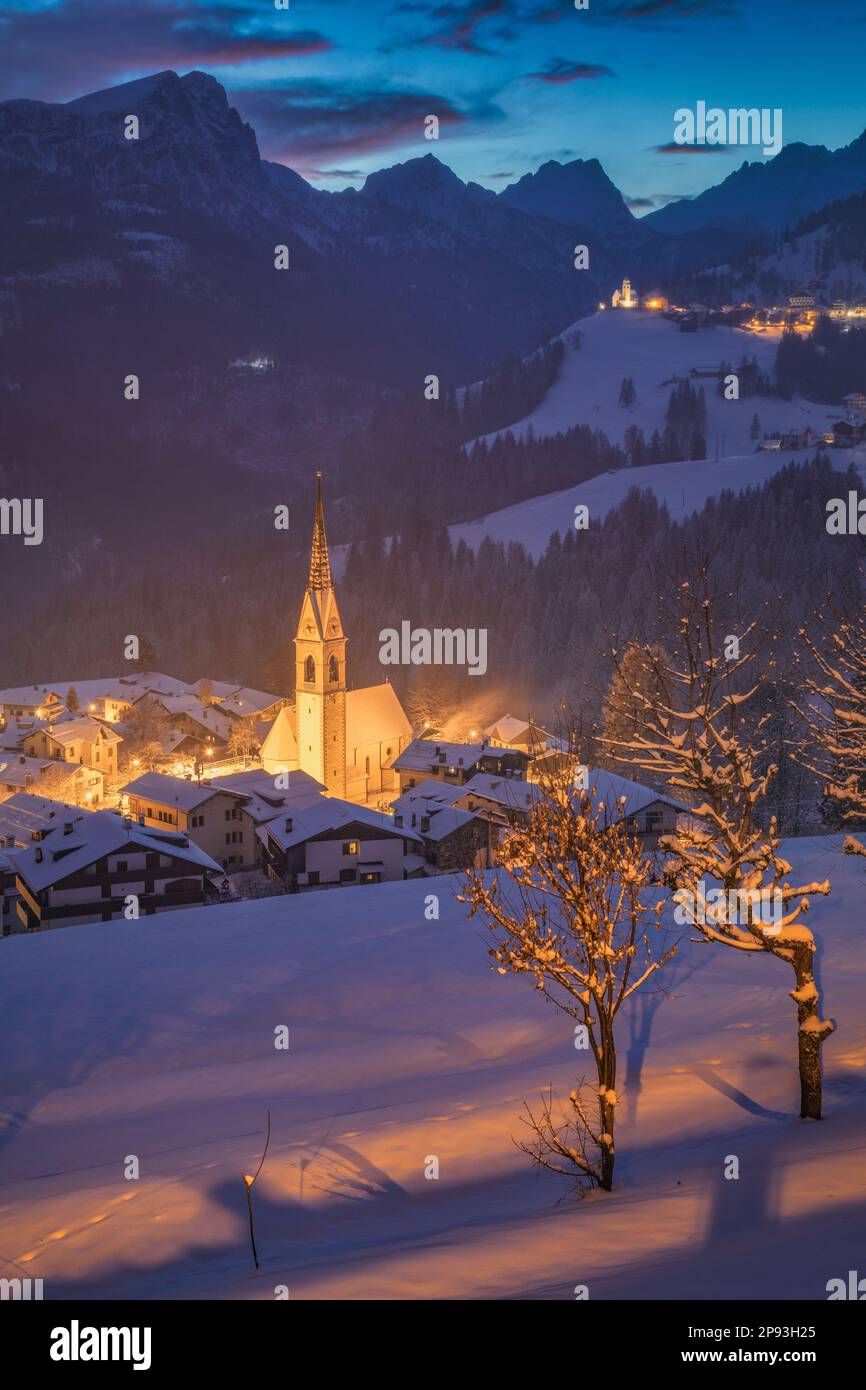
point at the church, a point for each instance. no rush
(346, 739)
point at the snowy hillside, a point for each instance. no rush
(682, 487)
(652, 351)
(156, 1039)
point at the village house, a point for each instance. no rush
(502, 799)
(203, 726)
(456, 763)
(26, 701)
(8, 894)
(83, 785)
(98, 868)
(845, 434)
(648, 813)
(212, 817)
(455, 839)
(462, 825)
(24, 820)
(220, 814)
(78, 740)
(335, 842)
(256, 705)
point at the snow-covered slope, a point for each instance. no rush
(682, 487)
(652, 351)
(649, 349)
(156, 1039)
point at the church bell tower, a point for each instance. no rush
(320, 670)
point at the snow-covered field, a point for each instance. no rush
(683, 487)
(652, 351)
(649, 349)
(156, 1039)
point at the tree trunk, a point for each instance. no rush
(606, 1109)
(811, 1030)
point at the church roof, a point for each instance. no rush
(280, 748)
(374, 715)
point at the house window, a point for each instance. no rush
(347, 875)
(309, 669)
(313, 878)
(122, 866)
(350, 847)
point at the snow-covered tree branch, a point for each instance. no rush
(570, 911)
(696, 730)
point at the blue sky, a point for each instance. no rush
(337, 88)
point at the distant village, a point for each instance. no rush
(126, 796)
(799, 315)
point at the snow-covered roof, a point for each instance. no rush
(280, 748)
(623, 795)
(171, 791)
(17, 770)
(103, 832)
(246, 702)
(262, 800)
(424, 753)
(328, 813)
(218, 689)
(27, 694)
(15, 731)
(510, 792)
(67, 731)
(374, 715)
(24, 816)
(446, 821)
(428, 794)
(210, 718)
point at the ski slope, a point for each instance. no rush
(155, 1039)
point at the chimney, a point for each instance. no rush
(38, 854)
(289, 824)
(67, 827)
(141, 818)
(425, 823)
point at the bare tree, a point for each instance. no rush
(706, 745)
(570, 912)
(243, 741)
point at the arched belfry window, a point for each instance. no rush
(309, 669)
(333, 670)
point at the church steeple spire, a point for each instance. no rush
(320, 670)
(320, 565)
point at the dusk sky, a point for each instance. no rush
(336, 89)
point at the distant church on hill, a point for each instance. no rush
(346, 739)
